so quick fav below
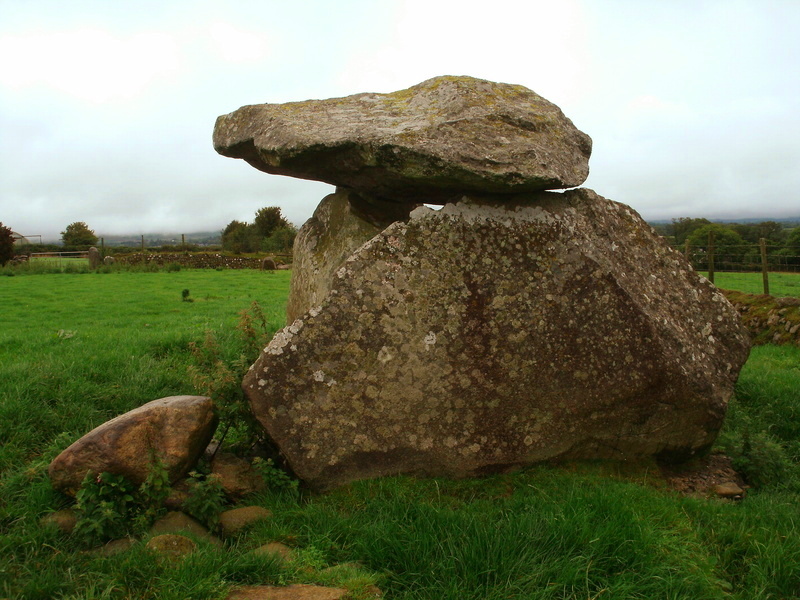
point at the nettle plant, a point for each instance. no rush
(219, 376)
(109, 506)
(206, 498)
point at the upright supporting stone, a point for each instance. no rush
(94, 258)
(489, 335)
(341, 224)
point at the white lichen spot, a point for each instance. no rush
(262, 382)
(315, 311)
(385, 354)
(281, 339)
(430, 340)
(319, 375)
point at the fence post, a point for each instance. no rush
(711, 256)
(103, 247)
(142, 243)
(687, 251)
(764, 265)
(183, 240)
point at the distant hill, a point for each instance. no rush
(201, 238)
(787, 222)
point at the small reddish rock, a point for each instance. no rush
(175, 521)
(64, 519)
(291, 592)
(115, 547)
(276, 548)
(728, 490)
(237, 476)
(171, 547)
(235, 520)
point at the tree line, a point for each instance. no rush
(736, 243)
(269, 232)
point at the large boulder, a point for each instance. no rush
(175, 429)
(428, 143)
(341, 223)
(501, 332)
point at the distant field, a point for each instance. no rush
(63, 261)
(780, 284)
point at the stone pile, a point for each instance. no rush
(769, 320)
(194, 261)
(512, 326)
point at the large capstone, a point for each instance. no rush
(436, 140)
(499, 332)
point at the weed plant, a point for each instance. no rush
(544, 533)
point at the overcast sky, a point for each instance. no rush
(107, 108)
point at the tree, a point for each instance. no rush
(281, 240)
(240, 237)
(771, 231)
(684, 227)
(729, 247)
(268, 219)
(6, 244)
(790, 253)
(78, 235)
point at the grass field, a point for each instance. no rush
(780, 284)
(77, 349)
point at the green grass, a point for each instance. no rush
(80, 348)
(545, 533)
(780, 284)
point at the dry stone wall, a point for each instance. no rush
(191, 261)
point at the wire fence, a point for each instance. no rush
(765, 258)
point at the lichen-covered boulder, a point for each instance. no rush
(442, 137)
(485, 336)
(175, 429)
(341, 223)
